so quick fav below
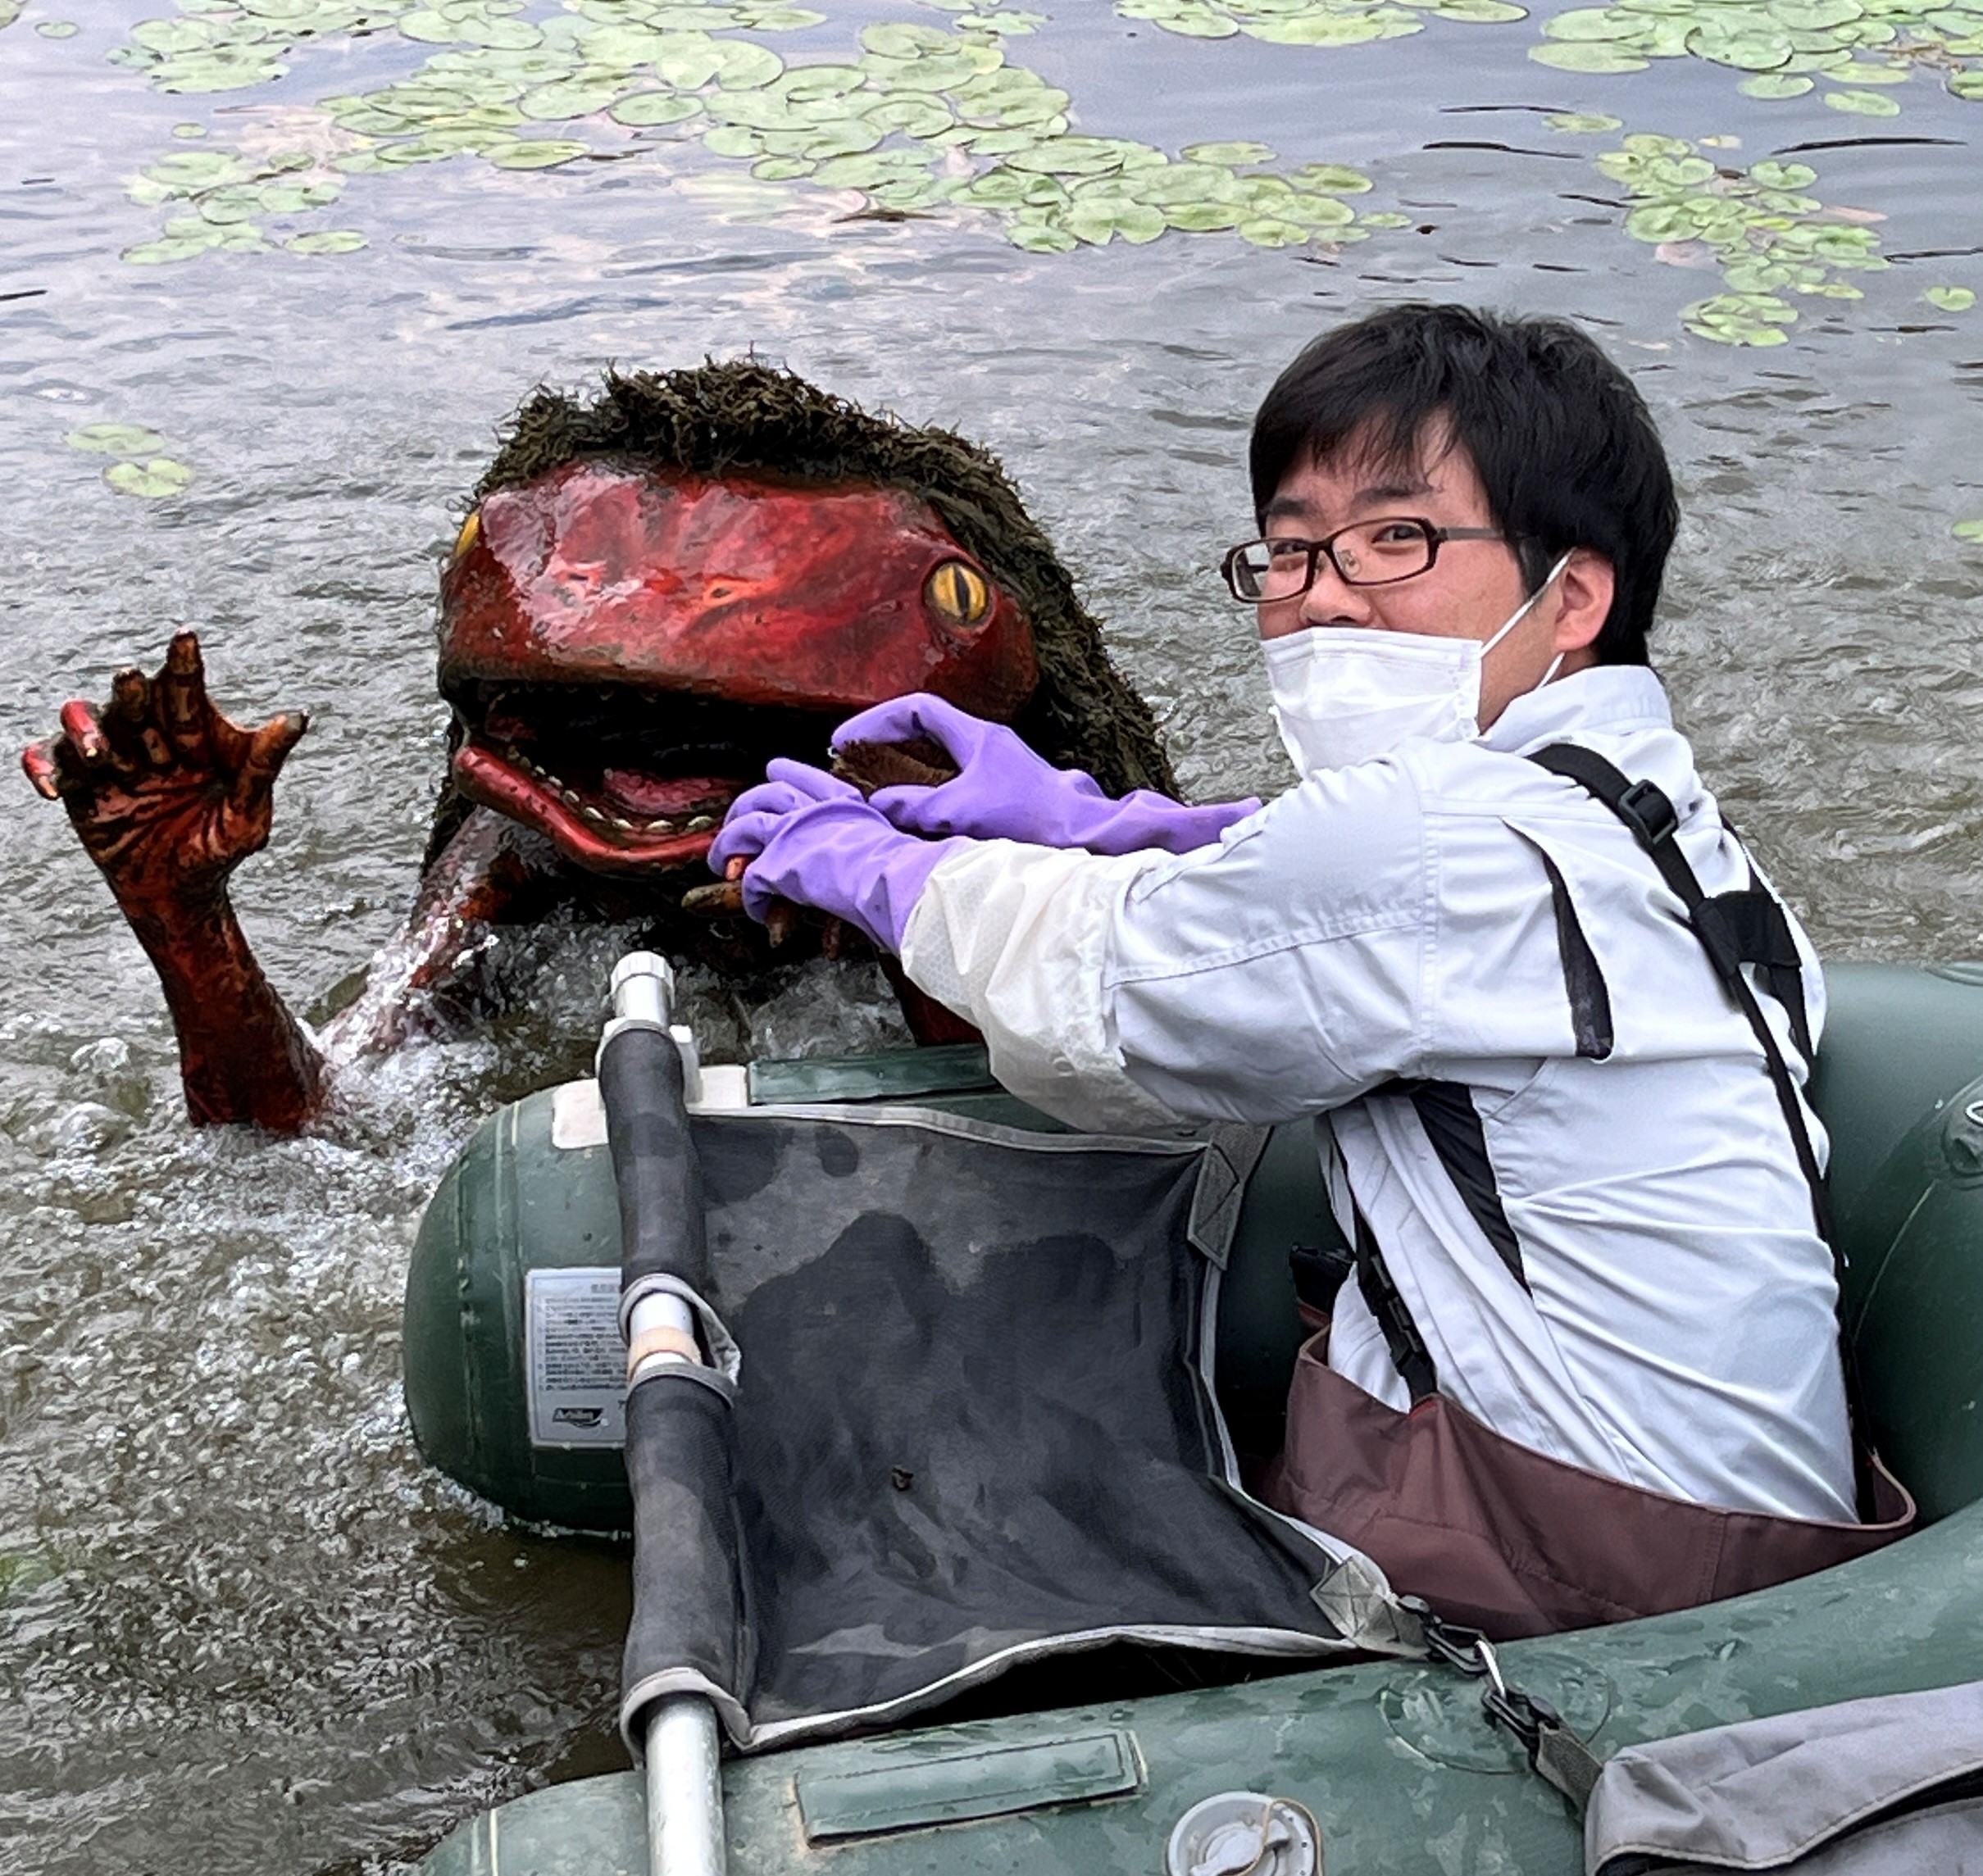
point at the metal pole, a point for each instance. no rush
(684, 1782)
(684, 1789)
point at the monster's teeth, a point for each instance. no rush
(661, 827)
(587, 812)
(700, 823)
(624, 826)
(567, 796)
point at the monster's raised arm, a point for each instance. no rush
(168, 797)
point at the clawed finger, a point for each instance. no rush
(128, 721)
(130, 695)
(266, 751)
(38, 760)
(182, 693)
(86, 734)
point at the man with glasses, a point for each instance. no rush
(1587, 1365)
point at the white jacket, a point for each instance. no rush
(1398, 918)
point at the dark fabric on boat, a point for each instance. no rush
(1508, 1540)
(971, 1424)
(687, 1633)
(1890, 1786)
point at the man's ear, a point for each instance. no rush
(1585, 589)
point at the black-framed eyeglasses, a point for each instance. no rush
(1365, 553)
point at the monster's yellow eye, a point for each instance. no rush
(957, 593)
(471, 531)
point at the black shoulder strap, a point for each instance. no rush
(1733, 929)
(1409, 1354)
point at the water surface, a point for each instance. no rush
(241, 1627)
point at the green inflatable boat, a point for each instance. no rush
(1381, 1761)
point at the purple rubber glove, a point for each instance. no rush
(1004, 790)
(811, 838)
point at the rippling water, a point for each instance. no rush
(241, 1628)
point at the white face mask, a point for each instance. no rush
(1344, 693)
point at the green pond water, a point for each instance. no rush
(271, 273)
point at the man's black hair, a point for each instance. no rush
(1563, 443)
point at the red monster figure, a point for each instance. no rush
(654, 592)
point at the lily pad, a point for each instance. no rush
(536, 153)
(1950, 299)
(154, 479)
(1864, 103)
(1594, 24)
(115, 439)
(1073, 155)
(1740, 319)
(1169, 183)
(745, 66)
(1385, 218)
(737, 140)
(1748, 45)
(1580, 123)
(1590, 57)
(1334, 28)
(171, 248)
(1040, 238)
(1205, 217)
(1231, 155)
(1814, 15)
(563, 102)
(1097, 222)
(1661, 221)
(919, 116)
(1776, 85)
(1480, 12)
(201, 73)
(1272, 231)
(905, 40)
(643, 110)
(1969, 531)
(56, 28)
(1774, 175)
(326, 241)
(1329, 178)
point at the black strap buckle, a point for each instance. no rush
(1645, 808)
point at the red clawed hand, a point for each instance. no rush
(167, 794)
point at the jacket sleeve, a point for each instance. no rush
(1274, 975)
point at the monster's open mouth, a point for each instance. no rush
(624, 780)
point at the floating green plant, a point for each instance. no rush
(1785, 45)
(1769, 237)
(115, 439)
(1950, 299)
(1311, 22)
(1969, 530)
(56, 28)
(1864, 103)
(918, 119)
(10, 11)
(154, 479)
(227, 195)
(142, 469)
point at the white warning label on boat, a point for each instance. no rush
(578, 1362)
